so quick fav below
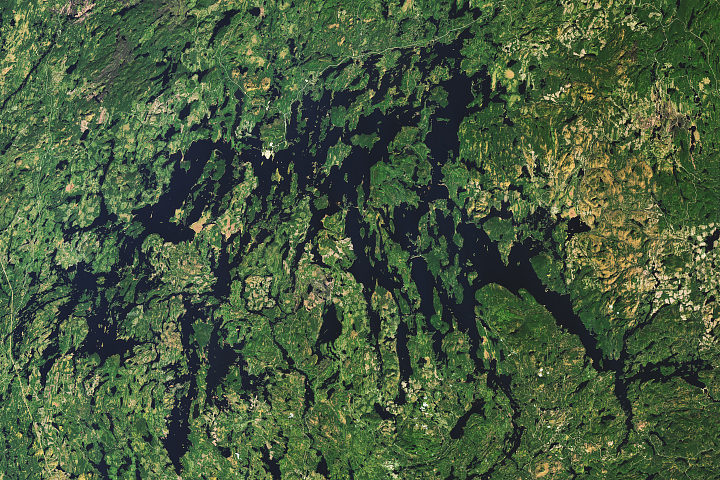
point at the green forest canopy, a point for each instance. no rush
(368, 239)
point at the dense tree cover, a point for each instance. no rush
(367, 239)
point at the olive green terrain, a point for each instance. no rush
(252, 346)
